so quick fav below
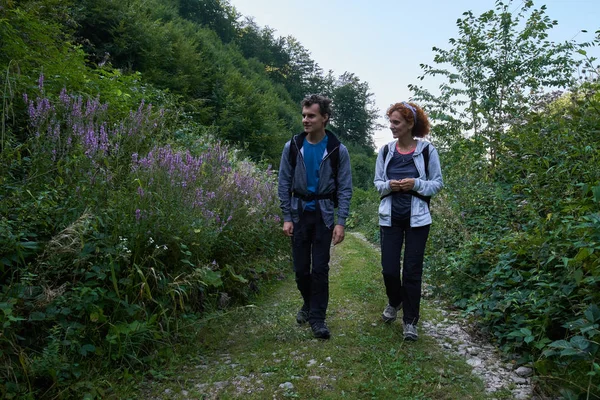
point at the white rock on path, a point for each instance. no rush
(524, 371)
(287, 386)
(483, 357)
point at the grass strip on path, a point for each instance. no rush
(259, 352)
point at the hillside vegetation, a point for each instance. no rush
(137, 192)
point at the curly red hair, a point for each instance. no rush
(420, 126)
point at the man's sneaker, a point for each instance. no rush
(302, 316)
(390, 313)
(410, 331)
(320, 330)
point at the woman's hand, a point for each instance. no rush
(407, 184)
(403, 185)
(395, 185)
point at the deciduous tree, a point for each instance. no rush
(501, 64)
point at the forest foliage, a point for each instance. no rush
(515, 234)
(517, 238)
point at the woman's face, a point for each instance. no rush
(399, 126)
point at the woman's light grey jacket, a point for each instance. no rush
(426, 186)
(292, 206)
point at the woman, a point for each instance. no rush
(407, 174)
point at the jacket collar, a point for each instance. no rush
(332, 141)
(421, 144)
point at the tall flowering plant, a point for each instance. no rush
(76, 141)
(117, 229)
(176, 211)
(222, 208)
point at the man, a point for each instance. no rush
(314, 175)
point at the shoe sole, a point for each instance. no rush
(411, 338)
(323, 336)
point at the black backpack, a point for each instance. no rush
(335, 164)
(425, 153)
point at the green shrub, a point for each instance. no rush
(112, 238)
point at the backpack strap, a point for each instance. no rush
(425, 153)
(294, 148)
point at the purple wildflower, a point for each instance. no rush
(64, 97)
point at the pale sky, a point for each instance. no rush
(384, 41)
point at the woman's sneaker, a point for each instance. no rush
(410, 332)
(389, 313)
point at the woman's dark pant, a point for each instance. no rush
(405, 289)
(312, 239)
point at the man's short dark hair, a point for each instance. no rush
(323, 102)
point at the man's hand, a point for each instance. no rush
(338, 234)
(288, 228)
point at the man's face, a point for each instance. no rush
(312, 119)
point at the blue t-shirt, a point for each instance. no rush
(313, 155)
(401, 166)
